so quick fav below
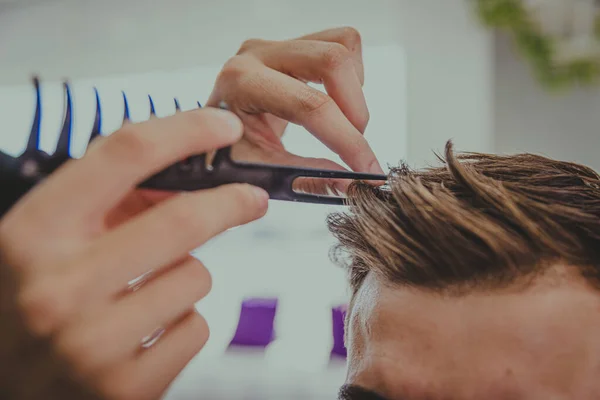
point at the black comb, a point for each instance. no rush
(20, 174)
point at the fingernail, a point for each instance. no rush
(375, 168)
(233, 120)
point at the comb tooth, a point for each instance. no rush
(221, 156)
(177, 106)
(97, 128)
(63, 146)
(152, 108)
(34, 136)
(125, 109)
(202, 157)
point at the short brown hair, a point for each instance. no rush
(478, 221)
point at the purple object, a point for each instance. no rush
(256, 324)
(338, 315)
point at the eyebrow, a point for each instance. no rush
(354, 392)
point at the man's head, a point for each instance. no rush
(476, 280)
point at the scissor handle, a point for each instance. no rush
(277, 180)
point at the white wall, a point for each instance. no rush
(528, 118)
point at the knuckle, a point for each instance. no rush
(250, 44)
(311, 101)
(233, 70)
(128, 144)
(241, 77)
(252, 81)
(202, 329)
(351, 37)
(202, 279)
(335, 55)
(363, 120)
(42, 307)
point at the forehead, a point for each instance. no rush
(541, 341)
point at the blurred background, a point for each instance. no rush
(435, 70)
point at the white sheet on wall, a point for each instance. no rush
(286, 253)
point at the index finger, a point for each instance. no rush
(267, 90)
(114, 165)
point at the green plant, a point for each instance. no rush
(511, 17)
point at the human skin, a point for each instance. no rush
(538, 341)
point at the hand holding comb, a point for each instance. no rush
(20, 174)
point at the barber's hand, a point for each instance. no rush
(265, 85)
(78, 238)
